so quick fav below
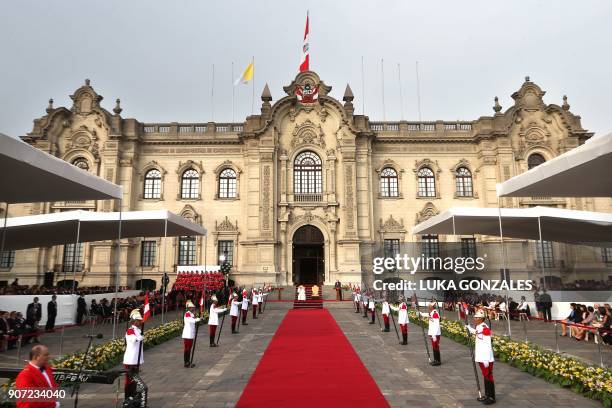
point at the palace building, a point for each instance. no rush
(305, 191)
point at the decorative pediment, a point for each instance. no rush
(392, 225)
(428, 211)
(529, 97)
(226, 226)
(190, 213)
(433, 165)
(308, 134)
(85, 99)
(189, 164)
(307, 218)
(310, 79)
(392, 164)
(463, 163)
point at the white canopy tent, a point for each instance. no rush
(86, 226)
(29, 175)
(60, 228)
(581, 172)
(536, 223)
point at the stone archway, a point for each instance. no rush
(308, 255)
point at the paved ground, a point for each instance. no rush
(406, 379)
(217, 380)
(401, 372)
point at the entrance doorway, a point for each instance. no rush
(308, 256)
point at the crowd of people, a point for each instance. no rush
(16, 289)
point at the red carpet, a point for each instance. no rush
(310, 363)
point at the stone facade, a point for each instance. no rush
(350, 208)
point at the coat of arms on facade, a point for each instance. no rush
(307, 93)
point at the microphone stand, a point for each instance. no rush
(78, 380)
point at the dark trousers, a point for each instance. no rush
(546, 310)
(255, 311)
(80, 315)
(234, 319)
(212, 330)
(244, 315)
(50, 323)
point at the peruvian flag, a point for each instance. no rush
(202, 303)
(146, 312)
(305, 51)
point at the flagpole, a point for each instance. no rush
(253, 95)
(399, 79)
(382, 75)
(418, 89)
(362, 88)
(212, 94)
(233, 92)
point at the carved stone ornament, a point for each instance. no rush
(226, 226)
(308, 134)
(392, 225)
(428, 211)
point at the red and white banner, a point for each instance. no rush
(146, 311)
(305, 50)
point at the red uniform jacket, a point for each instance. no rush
(32, 377)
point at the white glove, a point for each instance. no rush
(198, 319)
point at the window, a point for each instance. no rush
(147, 253)
(187, 251)
(226, 248)
(535, 160)
(189, 184)
(81, 163)
(606, 255)
(545, 254)
(227, 184)
(388, 183)
(307, 177)
(152, 184)
(463, 180)
(431, 246)
(72, 259)
(7, 259)
(391, 247)
(468, 248)
(427, 184)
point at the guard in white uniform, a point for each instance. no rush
(402, 318)
(234, 310)
(189, 329)
(245, 307)
(357, 299)
(213, 319)
(385, 313)
(483, 355)
(133, 356)
(255, 298)
(372, 308)
(434, 332)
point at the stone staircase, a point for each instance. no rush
(310, 302)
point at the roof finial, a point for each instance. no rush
(87, 82)
(348, 94)
(50, 107)
(565, 105)
(266, 96)
(497, 107)
(117, 108)
(527, 78)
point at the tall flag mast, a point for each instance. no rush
(305, 51)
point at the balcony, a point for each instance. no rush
(308, 198)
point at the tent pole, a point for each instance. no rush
(4, 230)
(164, 269)
(503, 250)
(74, 252)
(118, 261)
(541, 243)
(141, 265)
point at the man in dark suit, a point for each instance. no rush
(81, 309)
(338, 287)
(51, 314)
(33, 316)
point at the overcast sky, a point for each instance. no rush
(157, 56)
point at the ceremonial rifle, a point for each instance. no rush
(471, 347)
(422, 326)
(195, 339)
(221, 326)
(239, 312)
(376, 314)
(394, 325)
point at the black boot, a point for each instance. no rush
(212, 341)
(387, 327)
(490, 391)
(187, 359)
(436, 360)
(404, 339)
(485, 396)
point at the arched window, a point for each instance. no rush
(227, 184)
(81, 163)
(535, 160)
(307, 178)
(189, 184)
(463, 181)
(388, 182)
(152, 184)
(427, 184)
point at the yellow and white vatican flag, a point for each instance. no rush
(247, 75)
